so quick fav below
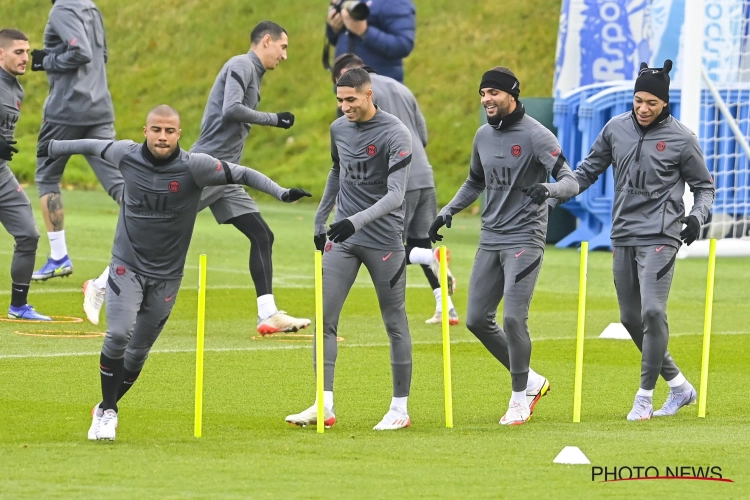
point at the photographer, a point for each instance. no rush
(382, 40)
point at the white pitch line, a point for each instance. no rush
(280, 347)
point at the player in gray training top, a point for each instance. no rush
(654, 155)
(420, 203)
(371, 152)
(511, 160)
(78, 107)
(163, 185)
(15, 210)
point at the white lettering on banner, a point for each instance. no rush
(721, 49)
(610, 68)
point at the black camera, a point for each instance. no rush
(356, 8)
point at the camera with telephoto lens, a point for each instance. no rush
(357, 9)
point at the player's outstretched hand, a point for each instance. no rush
(320, 241)
(692, 229)
(7, 149)
(442, 220)
(37, 59)
(537, 193)
(294, 194)
(284, 119)
(341, 230)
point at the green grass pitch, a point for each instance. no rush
(48, 386)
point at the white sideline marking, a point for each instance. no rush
(280, 347)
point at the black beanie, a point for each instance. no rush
(495, 79)
(654, 80)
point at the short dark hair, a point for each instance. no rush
(503, 69)
(164, 111)
(344, 62)
(355, 77)
(8, 35)
(266, 28)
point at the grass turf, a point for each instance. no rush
(50, 384)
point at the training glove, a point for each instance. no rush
(42, 149)
(294, 194)
(692, 229)
(7, 149)
(37, 59)
(537, 193)
(341, 231)
(442, 220)
(284, 119)
(320, 241)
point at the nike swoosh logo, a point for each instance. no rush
(285, 121)
(520, 253)
(659, 249)
(403, 153)
(387, 257)
(59, 269)
(168, 298)
(218, 169)
(17, 290)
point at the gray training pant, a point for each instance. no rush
(643, 277)
(17, 218)
(341, 262)
(227, 202)
(510, 273)
(137, 310)
(48, 176)
(420, 211)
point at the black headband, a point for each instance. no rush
(501, 81)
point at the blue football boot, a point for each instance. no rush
(53, 268)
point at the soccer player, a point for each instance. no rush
(15, 208)
(78, 107)
(654, 155)
(512, 157)
(163, 186)
(230, 113)
(371, 152)
(420, 202)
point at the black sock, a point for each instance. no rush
(128, 379)
(111, 375)
(18, 294)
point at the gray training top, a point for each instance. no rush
(11, 97)
(517, 153)
(231, 109)
(367, 181)
(651, 167)
(77, 54)
(160, 199)
(395, 98)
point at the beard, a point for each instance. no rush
(495, 119)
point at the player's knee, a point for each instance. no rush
(45, 188)
(136, 358)
(419, 242)
(654, 314)
(514, 323)
(115, 342)
(27, 242)
(631, 321)
(477, 322)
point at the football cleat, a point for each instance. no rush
(395, 419)
(281, 322)
(642, 409)
(517, 414)
(437, 319)
(26, 312)
(107, 426)
(53, 268)
(96, 417)
(435, 268)
(310, 417)
(93, 299)
(675, 401)
(533, 396)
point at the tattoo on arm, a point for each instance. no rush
(55, 209)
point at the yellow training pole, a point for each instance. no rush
(707, 329)
(583, 272)
(199, 347)
(446, 338)
(319, 340)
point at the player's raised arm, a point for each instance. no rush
(111, 151)
(596, 162)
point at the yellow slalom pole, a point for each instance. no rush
(446, 338)
(199, 347)
(319, 340)
(583, 273)
(702, 392)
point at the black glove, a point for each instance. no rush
(294, 194)
(442, 220)
(692, 229)
(285, 119)
(320, 241)
(537, 193)
(341, 231)
(7, 149)
(37, 59)
(42, 149)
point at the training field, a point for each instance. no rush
(48, 386)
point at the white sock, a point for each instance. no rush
(533, 381)
(399, 403)
(58, 249)
(266, 306)
(645, 393)
(520, 397)
(101, 281)
(422, 256)
(677, 381)
(327, 400)
(439, 300)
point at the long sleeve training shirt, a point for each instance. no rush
(11, 97)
